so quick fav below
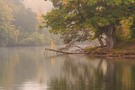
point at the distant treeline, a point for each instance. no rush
(18, 26)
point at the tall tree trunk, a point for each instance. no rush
(100, 41)
(110, 37)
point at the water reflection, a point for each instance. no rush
(83, 74)
(27, 69)
(94, 74)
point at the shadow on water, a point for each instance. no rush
(28, 69)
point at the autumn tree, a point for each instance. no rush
(8, 31)
(80, 20)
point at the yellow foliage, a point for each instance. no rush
(52, 45)
(124, 27)
(65, 2)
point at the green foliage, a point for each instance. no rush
(133, 33)
(81, 20)
(133, 30)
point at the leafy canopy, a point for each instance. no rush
(80, 20)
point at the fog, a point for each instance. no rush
(20, 20)
(38, 6)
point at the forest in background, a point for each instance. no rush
(19, 26)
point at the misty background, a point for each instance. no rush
(20, 20)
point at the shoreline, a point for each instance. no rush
(127, 54)
(100, 53)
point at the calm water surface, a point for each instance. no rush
(26, 68)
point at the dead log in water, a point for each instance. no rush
(63, 52)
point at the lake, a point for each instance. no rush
(27, 68)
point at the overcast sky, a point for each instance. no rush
(38, 6)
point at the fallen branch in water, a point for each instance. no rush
(64, 52)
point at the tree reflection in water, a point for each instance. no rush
(22, 68)
(96, 74)
(84, 75)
